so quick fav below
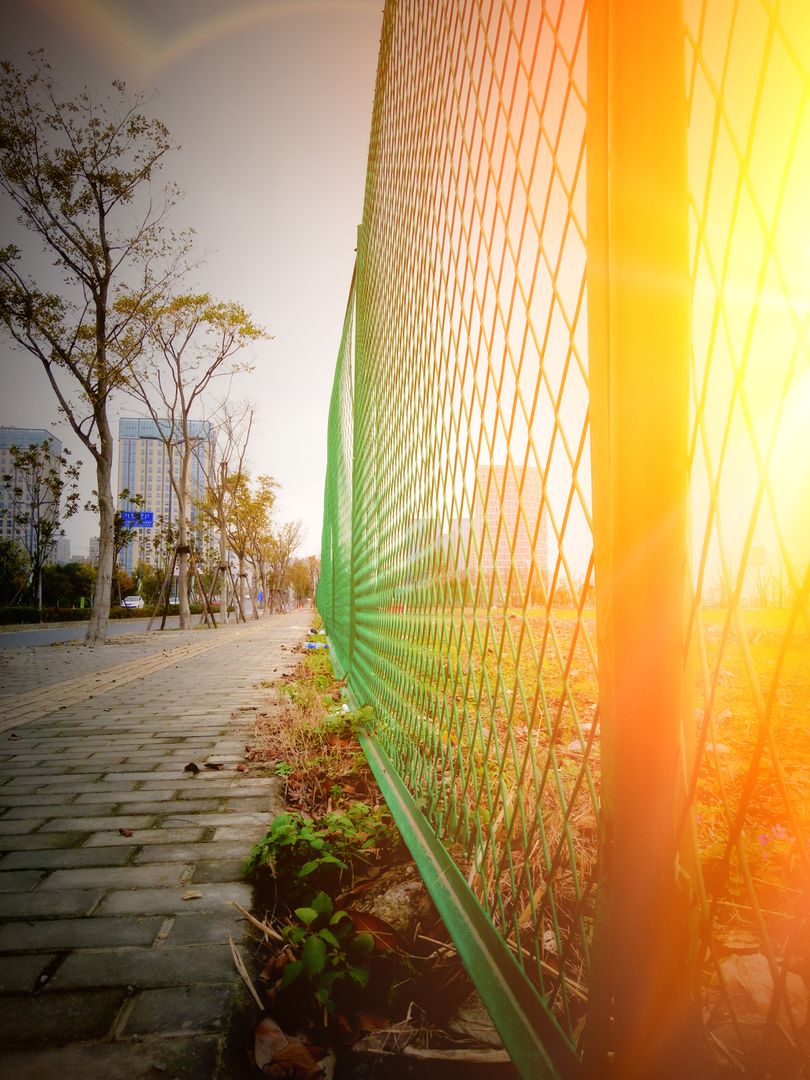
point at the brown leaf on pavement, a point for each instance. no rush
(192, 768)
(125, 832)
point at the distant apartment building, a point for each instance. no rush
(14, 505)
(61, 554)
(510, 525)
(144, 469)
(92, 550)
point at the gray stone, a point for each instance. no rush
(179, 1011)
(22, 973)
(207, 928)
(117, 877)
(97, 824)
(218, 870)
(16, 828)
(111, 795)
(144, 968)
(145, 836)
(188, 853)
(26, 812)
(38, 841)
(12, 881)
(40, 905)
(94, 933)
(170, 901)
(58, 1018)
(66, 858)
(179, 1059)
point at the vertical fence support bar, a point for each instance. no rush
(638, 296)
(357, 362)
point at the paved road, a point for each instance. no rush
(52, 635)
(118, 866)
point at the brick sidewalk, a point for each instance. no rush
(119, 867)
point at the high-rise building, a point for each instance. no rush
(13, 505)
(510, 524)
(144, 469)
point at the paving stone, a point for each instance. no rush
(7, 799)
(168, 901)
(263, 804)
(66, 857)
(180, 1059)
(145, 836)
(137, 775)
(37, 841)
(188, 853)
(21, 973)
(17, 828)
(179, 1010)
(144, 968)
(248, 821)
(169, 809)
(12, 881)
(97, 824)
(247, 836)
(117, 877)
(94, 933)
(59, 1017)
(110, 795)
(218, 870)
(207, 928)
(77, 789)
(40, 905)
(24, 813)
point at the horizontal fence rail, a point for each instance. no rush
(566, 541)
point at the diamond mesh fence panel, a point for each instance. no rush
(457, 580)
(748, 84)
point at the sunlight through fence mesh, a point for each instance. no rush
(457, 579)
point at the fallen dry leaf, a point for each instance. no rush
(295, 1062)
(241, 768)
(214, 765)
(192, 896)
(125, 832)
(269, 1041)
(192, 768)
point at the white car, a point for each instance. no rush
(133, 602)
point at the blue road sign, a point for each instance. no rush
(138, 519)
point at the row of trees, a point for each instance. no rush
(111, 315)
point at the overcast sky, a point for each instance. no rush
(271, 104)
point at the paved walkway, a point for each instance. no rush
(119, 867)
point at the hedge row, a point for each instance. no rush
(16, 615)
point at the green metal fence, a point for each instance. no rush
(568, 420)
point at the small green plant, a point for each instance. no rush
(283, 768)
(299, 846)
(329, 951)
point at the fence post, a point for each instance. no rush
(638, 297)
(357, 360)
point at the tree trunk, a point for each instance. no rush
(182, 543)
(97, 627)
(224, 577)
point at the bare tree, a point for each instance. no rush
(282, 545)
(79, 174)
(190, 341)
